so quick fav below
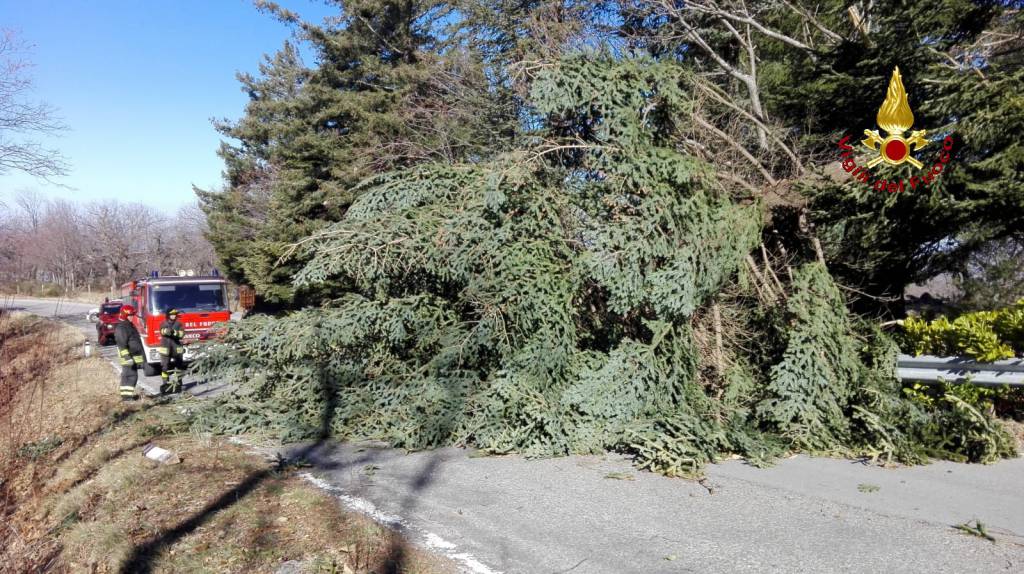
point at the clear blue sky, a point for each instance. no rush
(137, 82)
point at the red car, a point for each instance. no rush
(106, 321)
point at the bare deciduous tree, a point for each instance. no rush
(22, 120)
(736, 132)
(100, 244)
(112, 239)
(32, 204)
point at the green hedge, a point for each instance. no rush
(982, 335)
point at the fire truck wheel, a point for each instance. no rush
(150, 370)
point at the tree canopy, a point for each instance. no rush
(381, 97)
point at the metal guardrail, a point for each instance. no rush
(926, 368)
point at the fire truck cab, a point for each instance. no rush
(202, 302)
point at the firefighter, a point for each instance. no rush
(129, 348)
(172, 352)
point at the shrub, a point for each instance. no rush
(983, 335)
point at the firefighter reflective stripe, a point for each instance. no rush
(125, 362)
(161, 350)
(138, 359)
(167, 332)
(165, 375)
(124, 353)
(127, 391)
(179, 333)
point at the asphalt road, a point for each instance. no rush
(60, 309)
(597, 514)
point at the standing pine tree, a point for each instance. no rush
(380, 96)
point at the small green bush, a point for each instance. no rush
(982, 335)
(41, 448)
(1004, 401)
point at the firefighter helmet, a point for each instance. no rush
(126, 311)
(173, 312)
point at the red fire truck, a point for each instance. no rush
(202, 302)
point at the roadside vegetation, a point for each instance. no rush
(54, 247)
(982, 335)
(551, 229)
(77, 496)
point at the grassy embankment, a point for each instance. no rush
(77, 496)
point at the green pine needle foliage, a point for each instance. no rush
(810, 388)
(544, 302)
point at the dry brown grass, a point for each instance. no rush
(1016, 428)
(79, 497)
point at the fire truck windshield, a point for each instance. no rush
(187, 297)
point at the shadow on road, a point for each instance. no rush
(143, 557)
(397, 556)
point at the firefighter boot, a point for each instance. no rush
(129, 377)
(127, 393)
(165, 382)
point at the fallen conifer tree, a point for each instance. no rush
(596, 289)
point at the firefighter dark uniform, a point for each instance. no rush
(172, 352)
(130, 351)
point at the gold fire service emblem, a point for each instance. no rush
(895, 118)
